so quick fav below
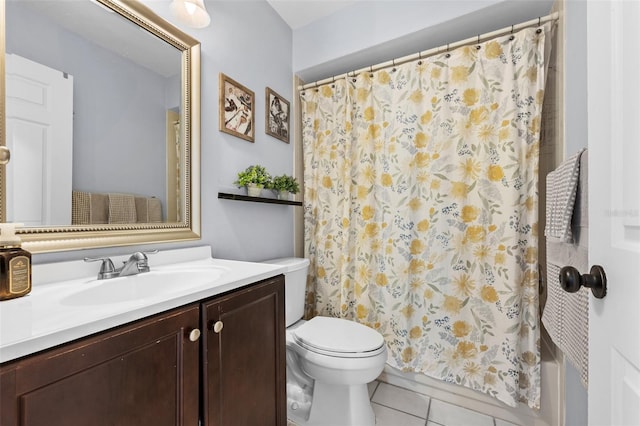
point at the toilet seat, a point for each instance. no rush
(339, 338)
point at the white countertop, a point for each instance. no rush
(44, 318)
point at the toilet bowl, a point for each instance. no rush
(330, 361)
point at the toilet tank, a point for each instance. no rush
(295, 284)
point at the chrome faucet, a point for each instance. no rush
(137, 264)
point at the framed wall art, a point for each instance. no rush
(237, 109)
(276, 115)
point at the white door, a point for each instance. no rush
(39, 111)
(613, 40)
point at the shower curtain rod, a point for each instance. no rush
(434, 51)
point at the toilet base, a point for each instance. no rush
(340, 405)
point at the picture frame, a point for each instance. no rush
(277, 115)
(237, 109)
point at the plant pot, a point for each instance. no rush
(254, 190)
(284, 195)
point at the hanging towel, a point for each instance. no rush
(566, 315)
(148, 209)
(142, 209)
(80, 206)
(155, 209)
(562, 184)
(99, 208)
(122, 208)
(89, 208)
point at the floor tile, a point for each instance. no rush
(388, 417)
(451, 415)
(500, 422)
(372, 387)
(402, 399)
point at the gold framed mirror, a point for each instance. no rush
(129, 171)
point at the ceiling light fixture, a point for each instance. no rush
(191, 13)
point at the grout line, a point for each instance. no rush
(400, 411)
(375, 389)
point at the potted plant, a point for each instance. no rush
(284, 185)
(254, 178)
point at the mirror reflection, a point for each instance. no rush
(93, 107)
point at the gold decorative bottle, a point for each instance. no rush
(15, 264)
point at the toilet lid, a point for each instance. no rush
(338, 336)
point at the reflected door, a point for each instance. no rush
(39, 111)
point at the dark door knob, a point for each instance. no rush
(596, 280)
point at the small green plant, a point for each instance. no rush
(285, 183)
(256, 175)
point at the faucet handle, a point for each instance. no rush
(140, 257)
(107, 269)
(145, 263)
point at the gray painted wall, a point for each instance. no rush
(339, 43)
(576, 396)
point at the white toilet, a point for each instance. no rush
(329, 360)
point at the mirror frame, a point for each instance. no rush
(60, 238)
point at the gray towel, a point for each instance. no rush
(566, 315)
(562, 185)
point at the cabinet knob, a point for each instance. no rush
(217, 327)
(194, 335)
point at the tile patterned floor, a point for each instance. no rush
(395, 406)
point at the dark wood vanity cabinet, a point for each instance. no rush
(244, 357)
(145, 373)
(158, 371)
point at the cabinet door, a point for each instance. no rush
(145, 373)
(244, 357)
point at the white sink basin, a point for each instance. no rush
(147, 285)
(67, 302)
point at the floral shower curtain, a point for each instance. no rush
(421, 211)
